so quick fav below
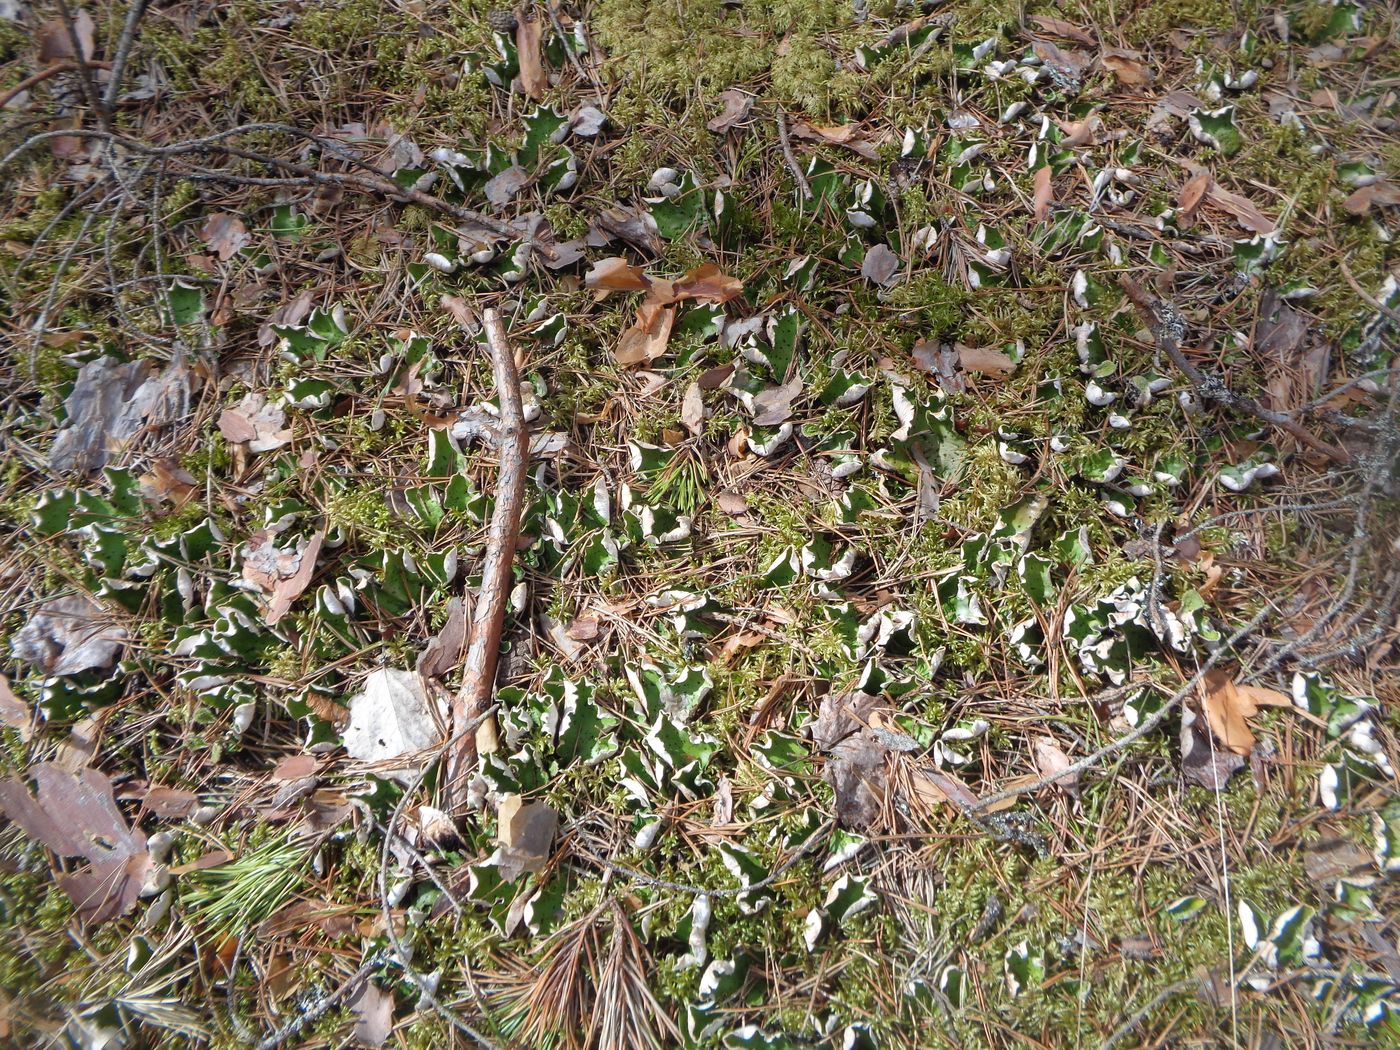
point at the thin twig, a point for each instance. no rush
(1168, 328)
(375, 962)
(1147, 725)
(124, 42)
(488, 620)
(1130, 1025)
(66, 66)
(371, 182)
(85, 81)
(802, 187)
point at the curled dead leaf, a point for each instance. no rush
(737, 103)
(1127, 66)
(649, 335)
(1379, 194)
(615, 274)
(225, 234)
(1044, 193)
(1241, 209)
(529, 33)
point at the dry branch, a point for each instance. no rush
(1168, 328)
(66, 66)
(479, 677)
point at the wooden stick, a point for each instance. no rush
(65, 66)
(488, 620)
(1167, 326)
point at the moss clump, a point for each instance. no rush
(669, 49)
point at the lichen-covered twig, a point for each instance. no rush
(1168, 328)
(802, 187)
(479, 675)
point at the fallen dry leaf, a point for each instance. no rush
(529, 31)
(445, 649)
(1080, 132)
(1241, 208)
(75, 815)
(1202, 762)
(373, 1010)
(1228, 705)
(773, 406)
(732, 503)
(501, 189)
(14, 712)
(1192, 193)
(55, 43)
(225, 234)
(69, 635)
(634, 225)
(693, 410)
(169, 803)
(111, 405)
(847, 135)
(737, 642)
(933, 787)
(713, 378)
(525, 832)
(1050, 759)
(737, 103)
(880, 264)
(615, 274)
(1378, 194)
(981, 359)
(167, 480)
(1068, 30)
(295, 767)
(392, 715)
(1044, 193)
(1069, 62)
(255, 423)
(280, 574)
(649, 335)
(1127, 66)
(707, 284)
(584, 629)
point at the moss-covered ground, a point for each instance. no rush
(957, 515)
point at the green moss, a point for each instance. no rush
(664, 50)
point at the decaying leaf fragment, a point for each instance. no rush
(1127, 66)
(75, 815)
(68, 636)
(256, 423)
(1228, 705)
(737, 103)
(445, 649)
(1051, 759)
(529, 34)
(111, 405)
(525, 832)
(1379, 194)
(392, 716)
(280, 574)
(649, 335)
(373, 1010)
(1044, 195)
(225, 234)
(1203, 761)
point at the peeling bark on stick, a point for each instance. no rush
(479, 677)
